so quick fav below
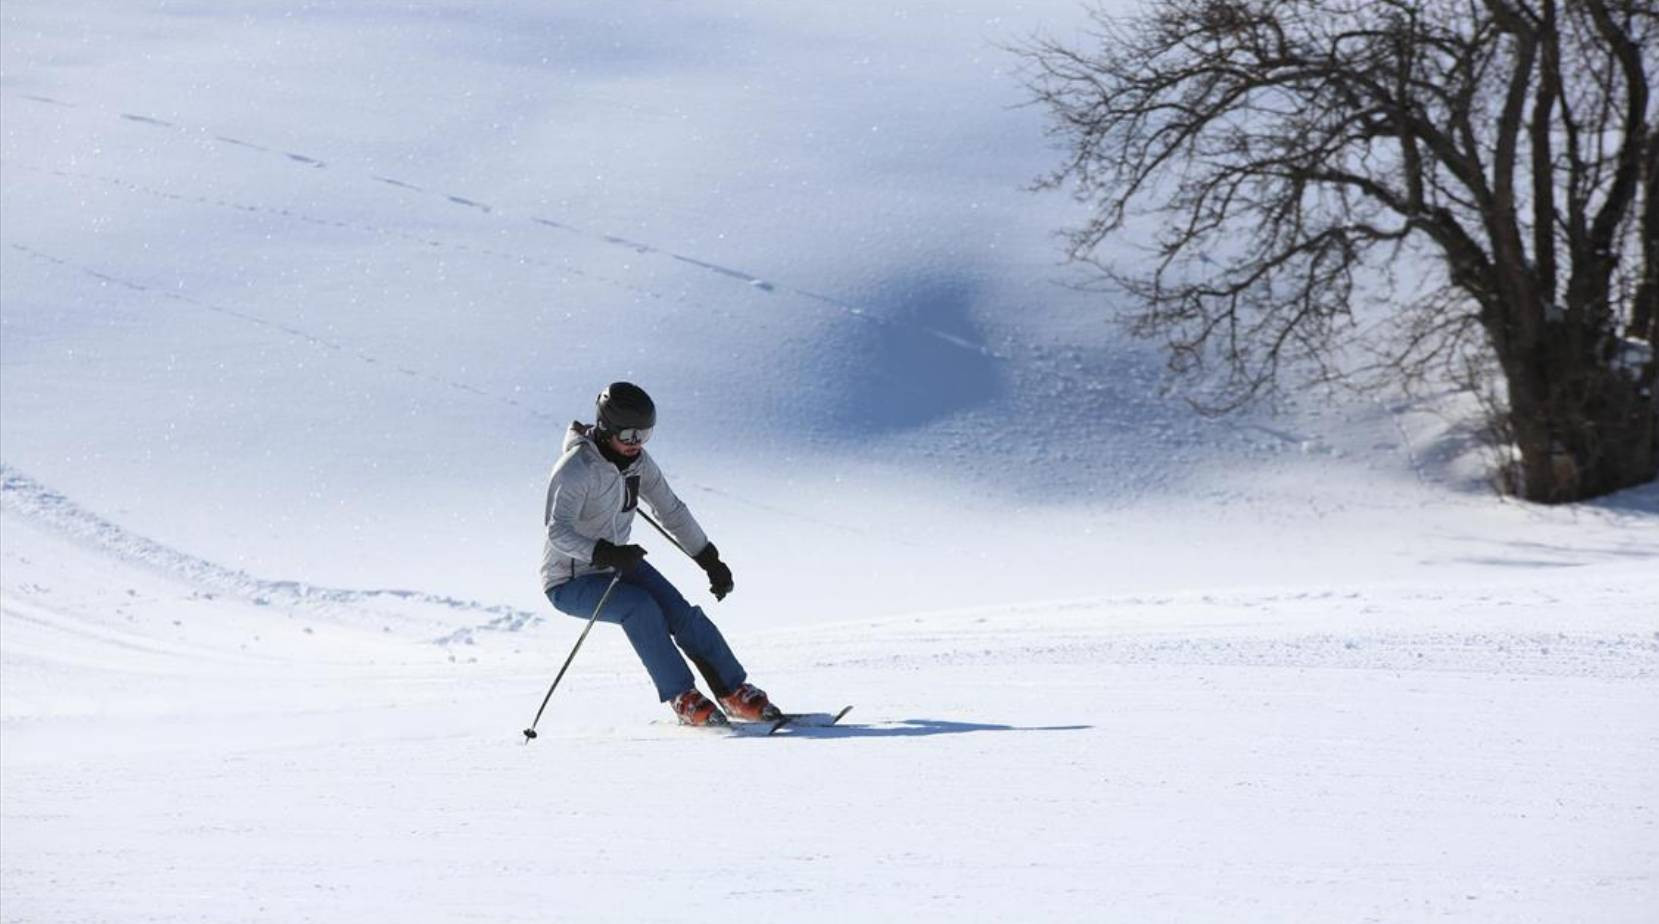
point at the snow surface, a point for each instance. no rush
(297, 299)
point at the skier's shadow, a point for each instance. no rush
(912, 728)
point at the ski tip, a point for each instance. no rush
(808, 720)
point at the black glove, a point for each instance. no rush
(720, 576)
(624, 558)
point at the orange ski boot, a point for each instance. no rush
(693, 708)
(748, 703)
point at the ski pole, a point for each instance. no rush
(664, 532)
(531, 731)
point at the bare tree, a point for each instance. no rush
(1294, 151)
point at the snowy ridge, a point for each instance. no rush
(27, 497)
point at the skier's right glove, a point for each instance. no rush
(624, 558)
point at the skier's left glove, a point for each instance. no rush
(720, 576)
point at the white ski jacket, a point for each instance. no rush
(589, 498)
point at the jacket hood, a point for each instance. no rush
(577, 434)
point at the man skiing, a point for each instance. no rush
(595, 487)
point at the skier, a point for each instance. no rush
(591, 497)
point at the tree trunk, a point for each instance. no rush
(1584, 426)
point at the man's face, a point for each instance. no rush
(628, 449)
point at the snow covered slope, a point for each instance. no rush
(1314, 753)
(296, 301)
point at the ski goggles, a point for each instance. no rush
(634, 436)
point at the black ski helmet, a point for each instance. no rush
(625, 406)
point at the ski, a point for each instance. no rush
(808, 720)
(767, 727)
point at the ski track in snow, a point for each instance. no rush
(1624, 656)
(26, 497)
(563, 269)
(287, 330)
(370, 359)
(751, 281)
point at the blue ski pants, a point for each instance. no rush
(657, 618)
